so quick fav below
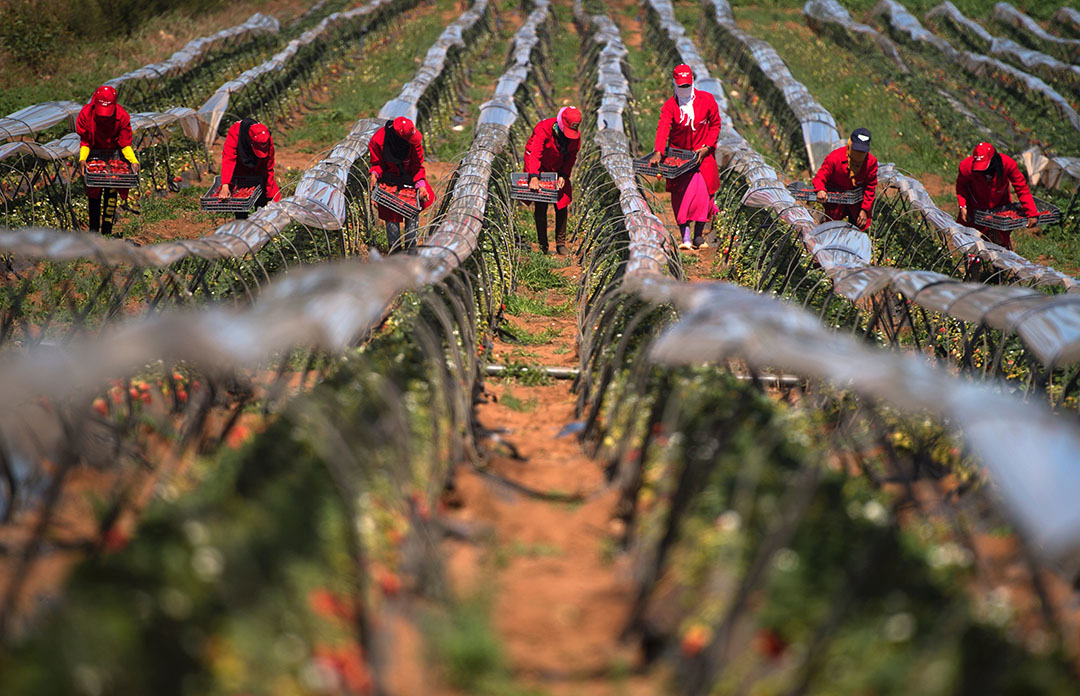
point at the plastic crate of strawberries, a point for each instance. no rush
(549, 188)
(674, 164)
(400, 199)
(106, 169)
(243, 195)
(1012, 217)
(805, 192)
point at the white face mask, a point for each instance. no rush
(684, 93)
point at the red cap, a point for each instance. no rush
(406, 129)
(683, 75)
(569, 120)
(980, 159)
(259, 135)
(104, 100)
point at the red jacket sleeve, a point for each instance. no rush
(1020, 184)
(272, 190)
(663, 126)
(375, 154)
(713, 134)
(534, 148)
(871, 184)
(123, 128)
(228, 153)
(963, 186)
(418, 153)
(824, 173)
(82, 127)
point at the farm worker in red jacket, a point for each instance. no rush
(247, 159)
(690, 120)
(104, 125)
(846, 168)
(553, 147)
(983, 183)
(397, 158)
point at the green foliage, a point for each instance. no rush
(386, 63)
(516, 404)
(529, 338)
(978, 9)
(35, 31)
(526, 374)
(468, 651)
(536, 272)
(518, 304)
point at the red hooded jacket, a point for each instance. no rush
(975, 192)
(411, 171)
(542, 154)
(834, 176)
(704, 132)
(264, 171)
(104, 133)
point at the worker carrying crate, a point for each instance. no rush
(398, 181)
(107, 161)
(690, 121)
(846, 169)
(552, 149)
(247, 161)
(982, 186)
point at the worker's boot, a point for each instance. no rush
(95, 214)
(560, 231)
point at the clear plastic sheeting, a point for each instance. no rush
(1031, 59)
(61, 148)
(820, 134)
(845, 253)
(830, 13)
(967, 240)
(196, 50)
(1069, 17)
(407, 103)
(689, 54)
(975, 64)
(836, 246)
(319, 201)
(327, 307)
(68, 146)
(1007, 14)
(215, 108)
(1050, 171)
(1028, 450)
(32, 120)
(650, 245)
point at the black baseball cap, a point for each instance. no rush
(860, 140)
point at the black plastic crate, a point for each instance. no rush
(392, 201)
(107, 178)
(996, 220)
(520, 191)
(642, 166)
(806, 192)
(211, 203)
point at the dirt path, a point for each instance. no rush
(546, 559)
(559, 591)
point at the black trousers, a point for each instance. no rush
(540, 217)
